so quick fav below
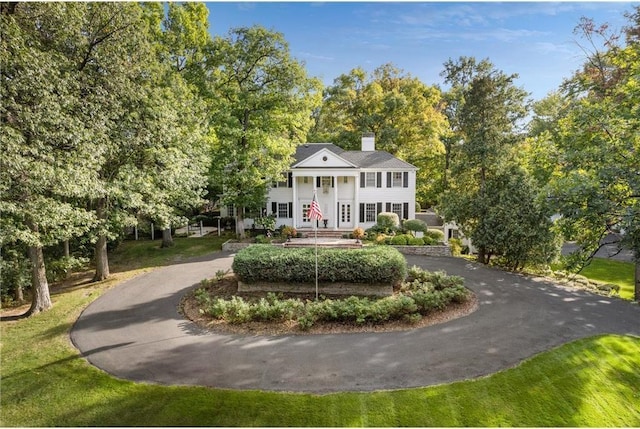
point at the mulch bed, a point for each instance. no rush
(228, 287)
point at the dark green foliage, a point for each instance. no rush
(59, 269)
(400, 240)
(434, 235)
(368, 265)
(15, 275)
(414, 225)
(425, 292)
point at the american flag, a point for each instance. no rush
(314, 211)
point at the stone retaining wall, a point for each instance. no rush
(425, 250)
(323, 288)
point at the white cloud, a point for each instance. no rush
(316, 56)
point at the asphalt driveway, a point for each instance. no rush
(135, 332)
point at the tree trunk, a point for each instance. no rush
(167, 239)
(637, 282)
(481, 255)
(41, 300)
(240, 223)
(102, 259)
(66, 248)
(19, 294)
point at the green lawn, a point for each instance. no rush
(612, 271)
(592, 382)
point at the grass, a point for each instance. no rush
(591, 382)
(612, 271)
(146, 253)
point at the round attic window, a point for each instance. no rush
(324, 158)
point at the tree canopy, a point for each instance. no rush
(262, 107)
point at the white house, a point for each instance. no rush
(352, 187)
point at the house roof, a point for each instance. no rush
(368, 159)
(306, 150)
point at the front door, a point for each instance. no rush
(345, 214)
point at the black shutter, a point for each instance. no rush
(378, 209)
(338, 216)
(388, 179)
(317, 181)
(379, 179)
(361, 212)
(333, 182)
(290, 179)
(405, 210)
(290, 210)
(388, 208)
(405, 179)
(362, 180)
(274, 208)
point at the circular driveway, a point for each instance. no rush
(135, 332)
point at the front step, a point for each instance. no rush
(324, 233)
(324, 242)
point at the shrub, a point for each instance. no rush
(456, 246)
(425, 292)
(388, 220)
(358, 233)
(399, 240)
(59, 269)
(415, 241)
(289, 231)
(367, 265)
(261, 239)
(380, 239)
(414, 225)
(435, 235)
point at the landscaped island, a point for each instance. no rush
(413, 293)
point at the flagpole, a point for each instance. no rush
(316, 246)
(315, 214)
(315, 228)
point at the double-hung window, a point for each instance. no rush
(370, 212)
(370, 179)
(283, 210)
(396, 179)
(397, 209)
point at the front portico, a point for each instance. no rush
(337, 194)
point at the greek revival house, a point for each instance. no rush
(352, 187)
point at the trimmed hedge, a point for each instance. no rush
(267, 263)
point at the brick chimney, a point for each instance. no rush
(368, 142)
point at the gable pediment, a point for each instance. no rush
(324, 158)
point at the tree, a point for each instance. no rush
(404, 114)
(261, 112)
(597, 190)
(182, 42)
(485, 116)
(48, 157)
(92, 119)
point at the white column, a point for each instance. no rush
(294, 207)
(335, 203)
(356, 200)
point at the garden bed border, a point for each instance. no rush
(335, 288)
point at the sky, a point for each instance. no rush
(533, 39)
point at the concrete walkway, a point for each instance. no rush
(134, 331)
